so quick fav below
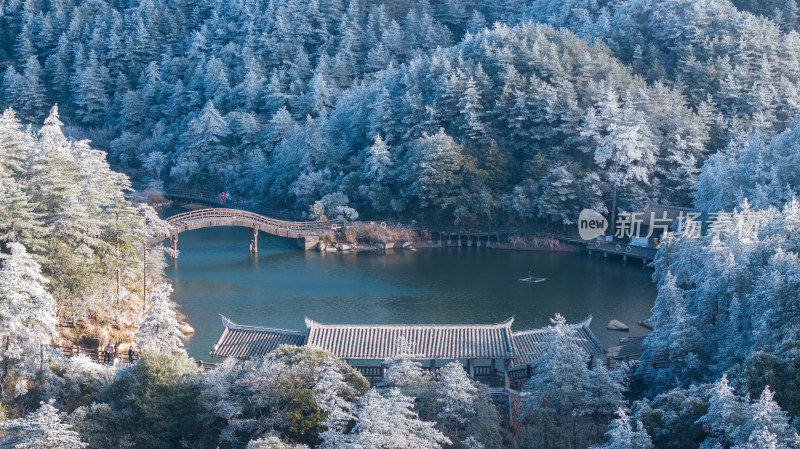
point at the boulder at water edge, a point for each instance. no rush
(186, 329)
(615, 325)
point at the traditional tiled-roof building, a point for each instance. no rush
(489, 350)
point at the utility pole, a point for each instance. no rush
(116, 250)
(144, 277)
(614, 212)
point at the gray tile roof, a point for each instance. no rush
(528, 343)
(380, 342)
(245, 342)
(437, 341)
(659, 211)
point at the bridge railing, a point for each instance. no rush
(222, 213)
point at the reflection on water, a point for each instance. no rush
(215, 275)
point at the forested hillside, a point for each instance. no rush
(254, 97)
(736, 70)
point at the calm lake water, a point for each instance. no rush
(215, 275)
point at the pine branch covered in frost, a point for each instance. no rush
(41, 429)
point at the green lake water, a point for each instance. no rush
(215, 275)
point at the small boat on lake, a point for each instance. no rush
(532, 280)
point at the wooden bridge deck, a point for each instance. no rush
(205, 218)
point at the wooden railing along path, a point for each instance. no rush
(97, 355)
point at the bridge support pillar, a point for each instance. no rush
(308, 243)
(173, 242)
(253, 241)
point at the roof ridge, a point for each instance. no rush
(501, 325)
(227, 323)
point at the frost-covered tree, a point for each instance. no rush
(700, 48)
(52, 165)
(625, 151)
(160, 331)
(42, 429)
(734, 284)
(26, 90)
(159, 393)
(205, 153)
(437, 163)
(273, 442)
(623, 436)
(376, 173)
(769, 420)
(155, 161)
(91, 84)
(331, 392)
(674, 338)
(289, 393)
(403, 372)
(457, 394)
(336, 205)
(388, 422)
(27, 315)
(19, 219)
(751, 167)
(734, 421)
(565, 392)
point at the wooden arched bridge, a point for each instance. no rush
(307, 232)
(236, 212)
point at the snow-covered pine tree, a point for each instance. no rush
(272, 442)
(388, 422)
(19, 220)
(52, 166)
(27, 316)
(91, 84)
(727, 415)
(623, 436)
(564, 390)
(15, 145)
(457, 395)
(434, 173)
(404, 373)
(26, 91)
(625, 151)
(330, 392)
(42, 429)
(378, 161)
(160, 330)
(674, 339)
(203, 142)
(768, 417)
